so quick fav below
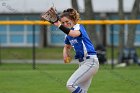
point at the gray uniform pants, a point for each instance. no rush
(80, 80)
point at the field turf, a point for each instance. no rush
(51, 78)
(45, 53)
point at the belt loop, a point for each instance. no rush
(88, 57)
(81, 59)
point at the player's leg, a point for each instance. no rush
(75, 82)
(85, 85)
(71, 82)
(82, 74)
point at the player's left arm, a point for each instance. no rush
(66, 53)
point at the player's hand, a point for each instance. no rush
(67, 59)
(58, 23)
(50, 15)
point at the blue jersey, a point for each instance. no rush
(81, 44)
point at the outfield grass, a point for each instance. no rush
(51, 78)
(26, 53)
(44, 53)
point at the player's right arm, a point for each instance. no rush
(66, 52)
(72, 33)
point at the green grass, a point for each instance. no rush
(51, 78)
(44, 53)
(26, 53)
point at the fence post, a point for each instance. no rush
(0, 52)
(112, 47)
(0, 55)
(33, 51)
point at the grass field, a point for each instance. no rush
(51, 78)
(44, 53)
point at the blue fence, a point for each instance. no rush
(21, 35)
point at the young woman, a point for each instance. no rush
(77, 37)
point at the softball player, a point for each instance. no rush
(77, 38)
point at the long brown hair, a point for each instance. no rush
(71, 13)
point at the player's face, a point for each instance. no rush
(67, 22)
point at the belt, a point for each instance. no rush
(87, 57)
